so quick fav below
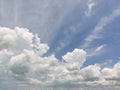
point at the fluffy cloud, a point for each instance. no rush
(112, 73)
(77, 56)
(91, 73)
(22, 60)
(19, 39)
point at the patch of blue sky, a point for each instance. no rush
(110, 38)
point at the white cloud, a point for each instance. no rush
(112, 73)
(90, 5)
(91, 73)
(99, 48)
(77, 56)
(21, 61)
(19, 39)
(96, 51)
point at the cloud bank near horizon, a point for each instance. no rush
(22, 60)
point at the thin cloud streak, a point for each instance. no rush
(95, 34)
(42, 17)
(96, 51)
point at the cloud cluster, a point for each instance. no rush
(22, 58)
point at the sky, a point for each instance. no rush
(59, 44)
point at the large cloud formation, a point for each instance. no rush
(22, 60)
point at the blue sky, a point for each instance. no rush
(91, 25)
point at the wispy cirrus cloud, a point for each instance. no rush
(39, 16)
(96, 51)
(104, 21)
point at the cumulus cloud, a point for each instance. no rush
(112, 73)
(91, 73)
(22, 60)
(77, 56)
